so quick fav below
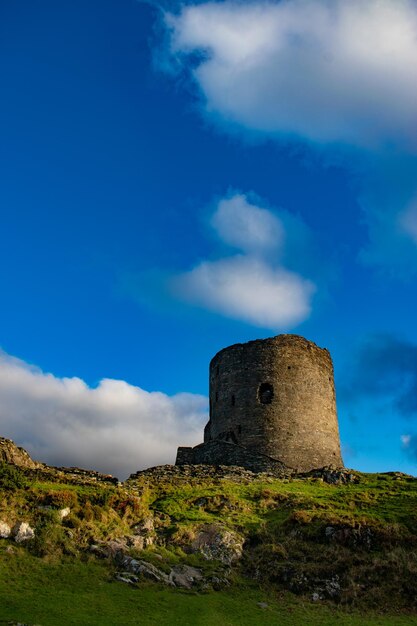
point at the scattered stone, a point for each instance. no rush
(22, 532)
(332, 587)
(63, 513)
(136, 541)
(263, 605)
(147, 525)
(5, 530)
(82, 476)
(126, 577)
(219, 582)
(333, 475)
(362, 536)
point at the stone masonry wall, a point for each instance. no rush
(276, 397)
(224, 453)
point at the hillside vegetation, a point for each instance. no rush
(207, 544)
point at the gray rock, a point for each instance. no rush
(332, 587)
(145, 527)
(5, 530)
(215, 542)
(109, 549)
(136, 541)
(185, 576)
(22, 532)
(126, 577)
(145, 570)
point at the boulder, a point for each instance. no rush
(5, 530)
(144, 569)
(185, 576)
(216, 542)
(22, 532)
(64, 512)
(112, 549)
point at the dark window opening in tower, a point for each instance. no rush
(265, 393)
(217, 370)
(239, 429)
(217, 396)
(233, 401)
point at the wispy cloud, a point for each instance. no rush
(253, 287)
(405, 440)
(408, 219)
(115, 427)
(246, 226)
(325, 70)
(338, 75)
(383, 369)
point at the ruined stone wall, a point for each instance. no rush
(223, 453)
(276, 396)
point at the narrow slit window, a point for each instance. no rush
(233, 400)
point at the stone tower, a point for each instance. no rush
(271, 399)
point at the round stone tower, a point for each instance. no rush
(276, 397)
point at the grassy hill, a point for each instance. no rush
(202, 545)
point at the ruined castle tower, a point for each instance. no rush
(270, 400)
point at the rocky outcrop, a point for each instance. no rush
(13, 454)
(216, 543)
(134, 570)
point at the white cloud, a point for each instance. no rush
(246, 226)
(405, 440)
(247, 289)
(116, 427)
(252, 287)
(325, 70)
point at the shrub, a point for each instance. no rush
(61, 499)
(11, 477)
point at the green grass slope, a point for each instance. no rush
(315, 552)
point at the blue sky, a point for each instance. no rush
(176, 178)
